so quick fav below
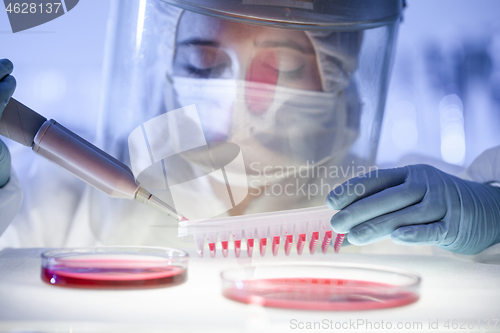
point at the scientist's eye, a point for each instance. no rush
(205, 73)
(287, 63)
(201, 62)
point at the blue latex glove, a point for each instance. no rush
(7, 87)
(417, 205)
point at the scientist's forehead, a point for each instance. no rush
(203, 30)
(203, 27)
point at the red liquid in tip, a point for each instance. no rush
(320, 294)
(314, 242)
(263, 245)
(276, 245)
(237, 247)
(211, 246)
(288, 244)
(224, 248)
(326, 241)
(250, 247)
(301, 243)
(338, 242)
(184, 219)
(128, 276)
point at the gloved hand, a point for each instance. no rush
(7, 87)
(417, 205)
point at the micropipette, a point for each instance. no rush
(295, 224)
(66, 149)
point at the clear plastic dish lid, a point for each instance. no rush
(114, 267)
(321, 286)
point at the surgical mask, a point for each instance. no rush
(276, 127)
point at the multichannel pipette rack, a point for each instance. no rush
(302, 225)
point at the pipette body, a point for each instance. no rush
(68, 150)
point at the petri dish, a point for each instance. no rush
(114, 267)
(321, 286)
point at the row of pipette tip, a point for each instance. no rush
(280, 227)
(288, 244)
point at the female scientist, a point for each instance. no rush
(296, 89)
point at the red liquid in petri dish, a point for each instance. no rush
(320, 294)
(112, 274)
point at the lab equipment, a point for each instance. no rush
(49, 139)
(114, 267)
(419, 205)
(299, 87)
(321, 286)
(7, 86)
(284, 227)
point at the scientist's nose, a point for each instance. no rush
(258, 97)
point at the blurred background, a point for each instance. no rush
(443, 106)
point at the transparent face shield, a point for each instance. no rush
(230, 108)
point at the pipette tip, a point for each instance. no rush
(314, 242)
(326, 241)
(211, 246)
(249, 247)
(263, 245)
(147, 198)
(301, 243)
(338, 242)
(288, 244)
(237, 248)
(276, 244)
(225, 246)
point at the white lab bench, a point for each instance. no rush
(463, 294)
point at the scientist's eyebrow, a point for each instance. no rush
(288, 44)
(198, 42)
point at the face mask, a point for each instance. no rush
(284, 135)
(275, 126)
